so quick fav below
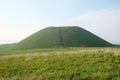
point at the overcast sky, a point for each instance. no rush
(21, 18)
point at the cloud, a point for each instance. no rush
(105, 23)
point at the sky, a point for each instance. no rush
(21, 18)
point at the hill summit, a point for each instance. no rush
(68, 36)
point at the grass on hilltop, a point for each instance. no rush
(67, 36)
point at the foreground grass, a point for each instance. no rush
(63, 64)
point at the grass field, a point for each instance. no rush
(60, 64)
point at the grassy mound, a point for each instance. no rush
(61, 37)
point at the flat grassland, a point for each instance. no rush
(73, 63)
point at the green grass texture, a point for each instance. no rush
(61, 64)
(67, 36)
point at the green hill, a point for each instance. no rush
(69, 36)
(6, 46)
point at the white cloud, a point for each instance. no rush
(105, 23)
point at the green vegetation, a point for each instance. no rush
(61, 64)
(116, 45)
(62, 37)
(60, 53)
(6, 46)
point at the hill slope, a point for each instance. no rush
(61, 37)
(6, 46)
